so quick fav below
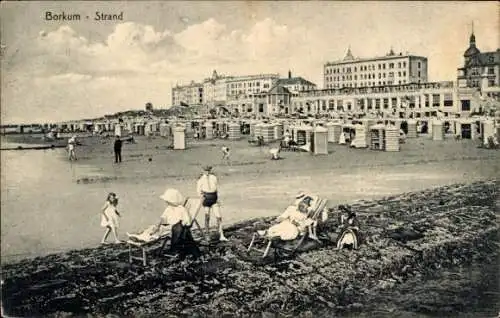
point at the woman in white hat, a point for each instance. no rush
(177, 216)
(175, 211)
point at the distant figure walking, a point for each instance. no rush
(226, 153)
(109, 217)
(71, 148)
(118, 149)
(207, 187)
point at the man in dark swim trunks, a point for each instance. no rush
(207, 189)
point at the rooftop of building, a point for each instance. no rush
(295, 81)
(278, 90)
(350, 58)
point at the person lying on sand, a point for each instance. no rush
(275, 153)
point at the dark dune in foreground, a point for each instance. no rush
(458, 223)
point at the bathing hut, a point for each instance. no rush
(391, 138)
(334, 129)
(258, 129)
(319, 141)
(234, 131)
(164, 130)
(377, 137)
(348, 132)
(252, 125)
(278, 131)
(118, 130)
(412, 128)
(423, 127)
(267, 132)
(359, 138)
(301, 134)
(179, 132)
(150, 128)
(487, 130)
(139, 129)
(437, 130)
(209, 130)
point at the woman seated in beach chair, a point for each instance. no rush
(298, 219)
(177, 216)
(349, 235)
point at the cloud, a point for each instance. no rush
(68, 71)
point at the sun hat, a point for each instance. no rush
(207, 168)
(172, 196)
(300, 194)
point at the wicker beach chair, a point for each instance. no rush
(146, 243)
(288, 246)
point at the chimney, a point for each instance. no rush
(289, 74)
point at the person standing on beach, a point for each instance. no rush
(207, 188)
(109, 217)
(71, 148)
(226, 153)
(118, 149)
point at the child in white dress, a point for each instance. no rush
(110, 217)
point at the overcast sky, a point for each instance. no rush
(56, 70)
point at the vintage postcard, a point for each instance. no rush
(250, 158)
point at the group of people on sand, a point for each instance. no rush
(302, 216)
(175, 214)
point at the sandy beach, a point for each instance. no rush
(252, 186)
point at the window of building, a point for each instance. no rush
(340, 105)
(399, 74)
(491, 82)
(412, 102)
(383, 75)
(379, 75)
(448, 102)
(404, 73)
(391, 65)
(331, 104)
(379, 66)
(491, 70)
(369, 102)
(465, 105)
(419, 74)
(435, 100)
(394, 102)
(399, 64)
(404, 64)
(386, 103)
(418, 65)
(383, 66)
(266, 85)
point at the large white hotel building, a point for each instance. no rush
(394, 83)
(392, 69)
